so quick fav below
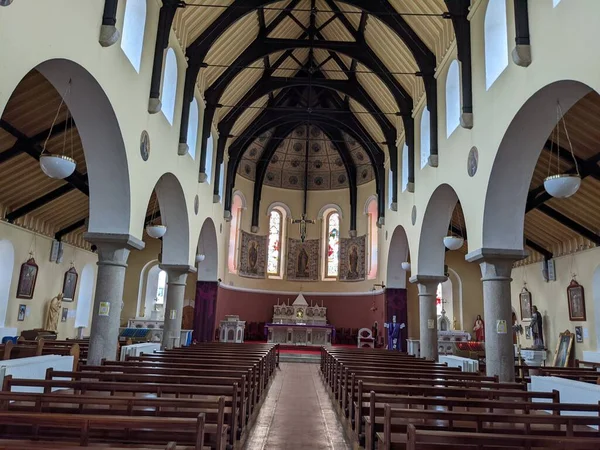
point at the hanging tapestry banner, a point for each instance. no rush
(352, 258)
(303, 260)
(253, 256)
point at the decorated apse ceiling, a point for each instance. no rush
(325, 166)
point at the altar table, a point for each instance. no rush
(299, 334)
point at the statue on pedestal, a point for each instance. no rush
(536, 329)
(479, 329)
(394, 334)
(54, 308)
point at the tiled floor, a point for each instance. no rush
(297, 414)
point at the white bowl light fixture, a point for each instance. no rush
(562, 185)
(57, 166)
(405, 266)
(453, 242)
(156, 231)
(200, 257)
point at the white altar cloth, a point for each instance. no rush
(34, 368)
(299, 334)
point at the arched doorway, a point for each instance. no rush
(207, 285)
(396, 296)
(85, 296)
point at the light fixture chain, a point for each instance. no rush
(62, 101)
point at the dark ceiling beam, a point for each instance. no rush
(165, 22)
(77, 179)
(17, 148)
(39, 202)
(69, 229)
(570, 223)
(547, 254)
(522, 52)
(109, 14)
(459, 11)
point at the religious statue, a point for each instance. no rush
(302, 263)
(479, 329)
(394, 334)
(514, 327)
(252, 257)
(54, 309)
(353, 263)
(536, 329)
(375, 332)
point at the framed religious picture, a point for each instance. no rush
(65, 314)
(27, 279)
(69, 285)
(576, 302)
(579, 334)
(22, 312)
(525, 302)
(562, 355)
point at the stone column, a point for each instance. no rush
(427, 285)
(496, 267)
(113, 251)
(176, 279)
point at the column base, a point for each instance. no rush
(183, 149)
(202, 177)
(521, 55)
(433, 160)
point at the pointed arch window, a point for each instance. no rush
(275, 238)
(452, 98)
(85, 296)
(161, 288)
(496, 41)
(209, 158)
(425, 138)
(169, 87)
(132, 38)
(332, 238)
(555, 2)
(372, 238)
(404, 167)
(390, 188)
(192, 136)
(221, 180)
(237, 209)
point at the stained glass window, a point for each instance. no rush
(333, 244)
(438, 300)
(274, 251)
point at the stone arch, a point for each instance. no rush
(103, 145)
(596, 294)
(208, 270)
(457, 298)
(398, 252)
(523, 141)
(7, 263)
(436, 219)
(328, 208)
(280, 205)
(174, 215)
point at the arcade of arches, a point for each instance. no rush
(323, 147)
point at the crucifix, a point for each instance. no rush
(303, 220)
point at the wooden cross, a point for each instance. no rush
(303, 221)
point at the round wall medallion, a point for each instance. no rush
(316, 148)
(342, 179)
(253, 152)
(293, 180)
(145, 145)
(270, 176)
(297, 146)
(318, 181)
(472, 161)
(274, 159)
(196, 204)
(413, 214)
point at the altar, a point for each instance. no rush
(299, 324)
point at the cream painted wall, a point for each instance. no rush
(49, 281)
(294, 200)
(551, 298)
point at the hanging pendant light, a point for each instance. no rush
(405, 266)
(452, 241)
(155, 231)
(59, 166)
(200, 257)
(562, 184)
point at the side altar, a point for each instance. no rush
(299, 324)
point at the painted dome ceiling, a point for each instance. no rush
(325, 167)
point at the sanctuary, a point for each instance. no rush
(299, 324)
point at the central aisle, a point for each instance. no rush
(297, 413)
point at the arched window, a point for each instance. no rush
(7, 262)
(221, 181)
(169, 87)
(332, 237)
(161, 288)
(371, 210)
(209, 158)
(85, 296)
(192, 136)
(390, 188)
(404, 167)
(425, 138)
(555, 2)
(132, 39)
(452, 98)
(237, 208)
(496, 41)
(275, 238)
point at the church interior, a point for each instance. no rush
(299, 224)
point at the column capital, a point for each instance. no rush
(177, 273)
(428, 279)
(495, 254)
(113, 249)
